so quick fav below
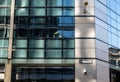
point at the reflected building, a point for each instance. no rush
(59, 40)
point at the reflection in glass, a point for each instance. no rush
(68, 53)
(22, 3)
(37, 3)
(68, 11)
(54, 2)
(5, 2)
(36, 53)
(68, 33)
(54, 11)
(68, 2)
(53, 53)
(20, 53)
(68, 43)
(37, 12)
(22, 12)
(4, 12)
(53, 43)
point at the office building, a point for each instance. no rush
(59, 40)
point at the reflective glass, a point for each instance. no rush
(68, 33)
(68, 43)
(20, 53)
(54, 2)
(4, 12)
(54, 11)
(37, 12)
(68, 2)
(68, 11)
(34, 43)
(53, 43)
(22, 3)
(22, 12)
(20, 43)
(3, 53)
(68, 53)
(53, 74)
(53, 53)
(3, 43)
(5, 2)
(36, 53)
(37, 3)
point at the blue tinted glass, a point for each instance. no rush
(67, 33)
(68, 11)
(68, 2)
(37, 3)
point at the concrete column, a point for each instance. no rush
(8, 64)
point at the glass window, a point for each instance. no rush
(22, 3)
(38, 20)
(54, 2)
(53, 74)
(37, 32)
(34, 43)
(68, 2)
(4, 12)
(37, 12)
(20, 53)
(5, 2)
(3, 53)
(68, 33)
(37, 3)
(53, 43)
(20, 43)
(68, 43)
(36, 53)
(22, 12)
(68, 53)
(53, 53)
(68, 11)
(21, 32)
(3, 43)
(54, 11)
(68, 74)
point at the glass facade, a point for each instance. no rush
(50, 37)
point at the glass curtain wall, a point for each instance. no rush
(44, 29)
(4, 27)
(43, 74)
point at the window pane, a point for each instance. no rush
(22, 12)
(20, 43)
(36, 43)
(37, 3)
(68, 2)
(36, 53)
(53, 53)
(3, 53)
(37, 12)
(22, 3)
(53, 74)
(68, 74)
(5, 2)
(68, 11)
(53, 43)
(68, 53)
(54, 11)
(68, 43)
(3, 43)
(54, 2)
(20, 53)
(4, 12)
(68, 33)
